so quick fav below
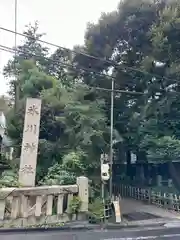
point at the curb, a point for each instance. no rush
(80, 227)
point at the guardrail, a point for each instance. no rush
(44, 204)
(169, 201)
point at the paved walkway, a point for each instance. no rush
(129, 206)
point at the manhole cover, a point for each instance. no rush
(138, 216)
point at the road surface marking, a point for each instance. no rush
(144, 237)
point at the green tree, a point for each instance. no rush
(122, 38)
(164, 104)
(30, 49)
(69, 121)
(141, 43)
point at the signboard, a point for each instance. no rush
(29, 148)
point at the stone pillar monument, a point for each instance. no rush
(29, 148)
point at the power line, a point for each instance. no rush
(87, 55)
(11, 50)
(75, 67)
(8, 49)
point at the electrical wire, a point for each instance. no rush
(11, 50)
(75, 67)
(88, 55)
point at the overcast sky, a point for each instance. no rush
(63, 21)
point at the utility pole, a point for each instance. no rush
(111, 137)
(15, 54)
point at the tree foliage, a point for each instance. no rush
(137, 45)
(140, 42)
(73, 124)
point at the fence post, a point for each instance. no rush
(159, 180)
(170, 183)
(171, 198)
(83, 193)
(122, 190)
(149, 196)
(130, 191)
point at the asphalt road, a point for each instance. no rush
(123, 234)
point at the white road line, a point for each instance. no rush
(145, 237)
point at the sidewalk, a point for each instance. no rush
(130, 205)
